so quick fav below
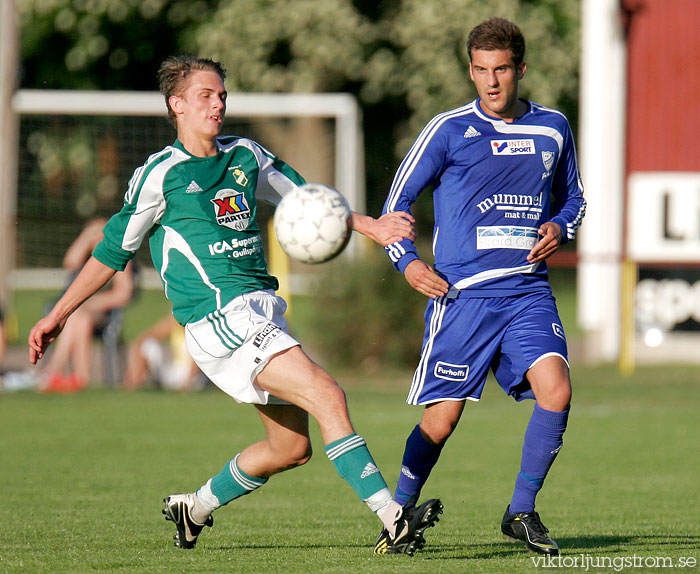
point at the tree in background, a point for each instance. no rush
(406, 60)
(424, 60)
(282, 46)
(103, 44)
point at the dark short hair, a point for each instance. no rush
(498, 34)
(173, 74)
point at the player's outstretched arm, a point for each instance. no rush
(388, 229)
(547, 246)
(92, 277)
(423, 279)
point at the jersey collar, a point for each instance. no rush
(483, 115)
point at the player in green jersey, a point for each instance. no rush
(196, 203)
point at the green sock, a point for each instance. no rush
(354, 463)
(229, 484)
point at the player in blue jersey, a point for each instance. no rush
(200, 192)
(506, 194)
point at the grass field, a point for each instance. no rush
(83, 477)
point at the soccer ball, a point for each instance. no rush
(313, 223)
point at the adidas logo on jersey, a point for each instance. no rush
(369, 470)
(472, 132)
(193, 187)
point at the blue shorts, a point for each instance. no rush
(464, 337)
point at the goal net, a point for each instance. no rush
(77, 151)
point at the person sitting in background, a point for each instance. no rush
(74, 349)
(159, 355)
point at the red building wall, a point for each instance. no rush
(663, 101)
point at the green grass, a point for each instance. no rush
(83, 476)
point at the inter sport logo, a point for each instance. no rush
(231, 209)
(513, 147)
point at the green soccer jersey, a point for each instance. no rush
(199, 215)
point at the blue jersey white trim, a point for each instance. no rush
(414, 155)
(494, 185)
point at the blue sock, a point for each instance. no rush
(419, 458)
(543, 439)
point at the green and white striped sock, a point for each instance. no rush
(229, 484)
(355, 464)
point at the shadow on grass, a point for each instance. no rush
(629, 542)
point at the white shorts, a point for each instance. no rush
(232, 345)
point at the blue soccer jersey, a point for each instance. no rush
(495, 183)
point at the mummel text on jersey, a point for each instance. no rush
(494, 184)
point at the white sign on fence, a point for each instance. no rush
(664, 217)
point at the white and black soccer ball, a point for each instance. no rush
(313, 223)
